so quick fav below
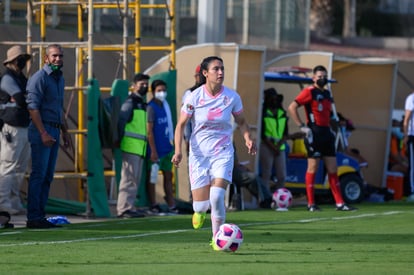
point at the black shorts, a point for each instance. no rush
(322, 143)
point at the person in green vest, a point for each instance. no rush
(274, 135)
(132, 128)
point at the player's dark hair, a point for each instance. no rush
(204, 66)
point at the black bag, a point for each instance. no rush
(108, 121)
(4, 98)
(4, 220)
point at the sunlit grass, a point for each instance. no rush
(377, 239)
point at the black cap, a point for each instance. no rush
(270, 92)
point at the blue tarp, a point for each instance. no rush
(288, 78)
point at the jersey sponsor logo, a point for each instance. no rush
(214, 113)
(190, 107)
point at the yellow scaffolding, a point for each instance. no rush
(84, 51)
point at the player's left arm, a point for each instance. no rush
(245, 131)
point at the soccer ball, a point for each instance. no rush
(282, 199)
(229, 237)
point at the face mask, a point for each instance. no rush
(321, 82)
(54, 67)
(143, 90)
(397, 132)
(21, 63)
(161, 96)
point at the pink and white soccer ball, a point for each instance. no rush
(229, 237)
(282, 198)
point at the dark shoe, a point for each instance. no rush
(173, 210)
(40, 224)
(345, 207)
(4, 220)
(7, 226)
(155, 209)
(267, 203)
(131, 214)
(313, 208)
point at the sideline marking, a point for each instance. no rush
(190, 229)
(11, 233)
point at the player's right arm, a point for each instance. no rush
(178, 138)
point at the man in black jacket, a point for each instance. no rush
(15, 147)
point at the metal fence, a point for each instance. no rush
(271, 23)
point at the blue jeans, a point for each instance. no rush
(43, 168)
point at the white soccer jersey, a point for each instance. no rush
(409, 105)
(211, 120)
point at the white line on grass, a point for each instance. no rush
(97, 239)
(186, 230)
(325, 219)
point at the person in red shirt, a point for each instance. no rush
(319, 138)
(397, 158)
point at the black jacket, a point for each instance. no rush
(15, 114)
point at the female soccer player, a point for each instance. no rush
(210, 108)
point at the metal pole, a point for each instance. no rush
(90, 41)
(42, 31)
(173, 34)
(211, 21)
(7, 12)
(125, 41)
(193, 8)
(278, 26)
(137, 36)
(29, 33)
(80, 138)
(245, 34)
(307, 27)
(168, 18)
(42, 21)
(55, 21)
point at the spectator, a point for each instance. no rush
(344, 127)
(243, 177)
(408, 125)
(133, 143)
(319, 139)
(187, 129)
(397, 160)
(274, 135)
(45, 91)
(160, 141)
(15, 147)
(197, 83)
(210, 108)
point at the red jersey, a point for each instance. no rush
(318, 105)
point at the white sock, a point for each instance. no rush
(218, 209)
(201, 206)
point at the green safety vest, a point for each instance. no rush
(135, 137)
(275, 126)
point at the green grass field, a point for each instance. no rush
(377, 239)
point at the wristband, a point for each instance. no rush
(302, 125)
(43, 132)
